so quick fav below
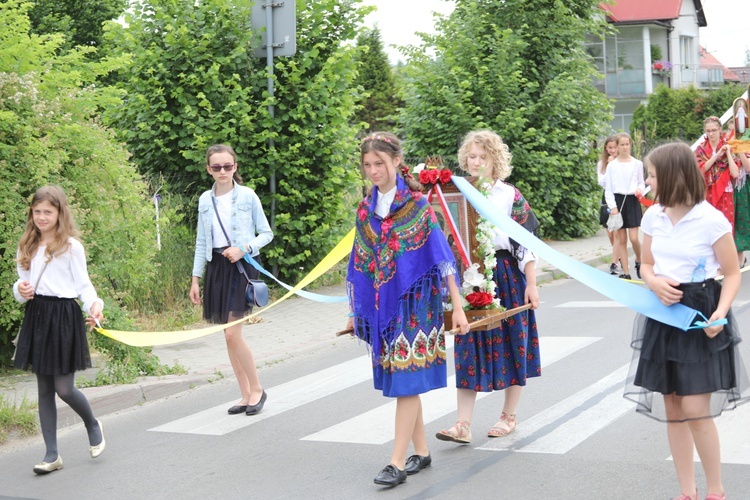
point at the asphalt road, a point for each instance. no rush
(325, 433)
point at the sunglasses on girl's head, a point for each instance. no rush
(217, 168)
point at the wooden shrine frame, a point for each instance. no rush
(466, 219)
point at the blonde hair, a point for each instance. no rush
(494, 146)
(66, 227)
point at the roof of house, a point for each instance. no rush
(742, 72)
(707, 60)
(639, 11)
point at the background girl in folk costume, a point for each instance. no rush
(52, 342)
(399, 266)
(718, 167)
(699, 372)
(502, 358)
(623, 184)
(231, 223)
(608, 155)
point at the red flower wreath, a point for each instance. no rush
(434, 176)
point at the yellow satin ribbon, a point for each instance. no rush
(141, 339)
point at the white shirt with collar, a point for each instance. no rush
(384, 202)
(622, 177)
(677, 249)
(501, 196)
(65, 276)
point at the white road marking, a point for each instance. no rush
(376, 426)
(298, 392)
(590, 304)
(562, 427)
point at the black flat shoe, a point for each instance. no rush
(416, 463)
(638, 269)
(255, 409)
(391, 476)
(236, 410)
(625, 276)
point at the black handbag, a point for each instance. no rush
(256, 291)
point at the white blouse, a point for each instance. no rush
(501, 196)
(677, 249)
(384, 202)
(623, 177)
(65, 276)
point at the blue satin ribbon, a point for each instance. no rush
(328, 299)
(706, 324)
(634, 297)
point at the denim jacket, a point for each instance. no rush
(248, 225)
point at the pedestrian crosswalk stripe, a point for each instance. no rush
(298, 392)
(590, 304)
(563, 426)
(376, 426)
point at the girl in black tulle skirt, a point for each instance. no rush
(699, 372)
(52, 342)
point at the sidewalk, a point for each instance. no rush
(293, 327)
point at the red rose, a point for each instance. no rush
(445, 176)
(362, 215)
(479, 300)
(424, 177)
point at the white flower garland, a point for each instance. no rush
(485, 233)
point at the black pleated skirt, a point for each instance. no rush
(224, 289)
(631, 210)
(669, 360)
(53, 339)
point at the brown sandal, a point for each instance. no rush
(459, 433)
(503, 427)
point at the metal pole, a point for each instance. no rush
(271, 112)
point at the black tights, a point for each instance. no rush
(64, 386)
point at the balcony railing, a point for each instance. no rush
(704, 77)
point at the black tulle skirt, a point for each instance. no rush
(224, 289)
(53, 339)
(668, 360)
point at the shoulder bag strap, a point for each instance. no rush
(239, 264)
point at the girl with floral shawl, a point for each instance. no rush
(718, 167)
(398, 269)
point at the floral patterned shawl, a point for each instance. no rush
(717, 177)
(389, 257)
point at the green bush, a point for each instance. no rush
(519, 68)
(193, 81)
(49, 134)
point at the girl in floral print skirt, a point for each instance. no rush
(501, 358)
(398, 270)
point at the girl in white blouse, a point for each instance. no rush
(623, 184)
(52, 342)
(698, 372)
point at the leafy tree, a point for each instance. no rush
(375, 76)
(519, 68)
(679, 113)
(193, 82)
(49, 135)
(80, 21)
